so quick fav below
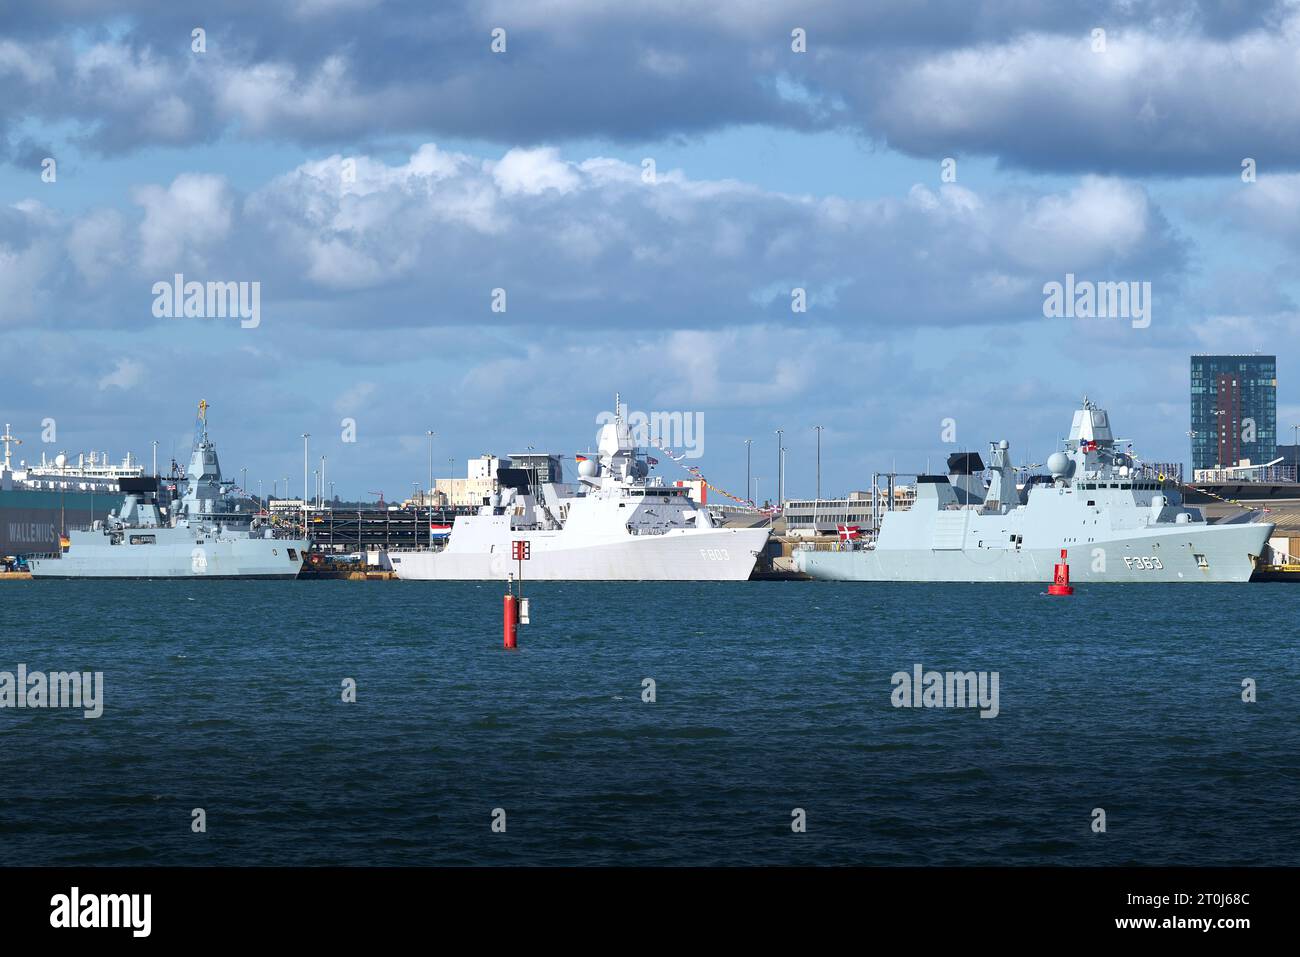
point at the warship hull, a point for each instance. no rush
(243, 558)
(724, 554)
(1220, 553)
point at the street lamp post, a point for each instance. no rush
(780, 457)
(749, 443)
(432, 435)
(306, 441)
(819, 462)
(783, 451)
(155, 458)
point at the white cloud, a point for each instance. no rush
(591, 243)
(126, 374)
(97, 245)
(183, 220)
(353, 399)
(534, 171)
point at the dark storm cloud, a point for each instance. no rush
(1182, 88)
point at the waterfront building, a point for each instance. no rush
(542, 467)
(1234, 410)
(479, 482)
(805, 518)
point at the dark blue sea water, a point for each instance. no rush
(770, 697)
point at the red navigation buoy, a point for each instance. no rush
(1061, 578)
(510, 615)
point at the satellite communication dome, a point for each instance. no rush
(1004, 444)
(60, 460)
(1058, 463)
(588, 469)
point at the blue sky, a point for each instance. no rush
(379, 171)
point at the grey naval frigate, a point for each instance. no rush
(1116, 524)
(205, 534)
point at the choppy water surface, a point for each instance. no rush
(769, 697)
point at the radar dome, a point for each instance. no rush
(1058, 463)
(588, 469)
(1004, 444)
(60, 460)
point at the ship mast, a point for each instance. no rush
(6, 439)
(201, 424)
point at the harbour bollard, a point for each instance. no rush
(510, 615)
(1061, 578)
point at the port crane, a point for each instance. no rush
(382, 503)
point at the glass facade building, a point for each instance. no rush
(1234, 410)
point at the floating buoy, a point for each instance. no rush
(510, 616)
(1061, 578)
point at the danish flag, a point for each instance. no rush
(848, 532)
(1088, 446)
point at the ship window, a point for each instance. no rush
(293, 555)
(143, 539)
(1200, 561)
(1092, 501)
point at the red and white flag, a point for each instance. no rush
(848, 532)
